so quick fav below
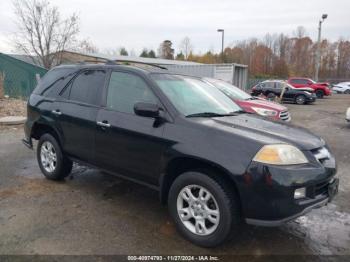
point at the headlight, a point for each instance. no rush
(265, 112)
(280, 154)
(308, 93)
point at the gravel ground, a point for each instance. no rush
(94, 213)
(12, 107)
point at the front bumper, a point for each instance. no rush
(280, 222)
(267, 192)
(311, 99)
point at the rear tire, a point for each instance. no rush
(300, 100)
(216, 216)
(347, 92)
(319, 93)
(53, 164)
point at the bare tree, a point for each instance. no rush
(42, 30)
(165, 50)
(186, 47)
(300, 32)
(86, 46)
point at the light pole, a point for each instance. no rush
(324, 16)
(222, 43)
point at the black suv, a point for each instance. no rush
(273, 88)
(214, 165)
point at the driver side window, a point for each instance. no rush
(125, 90)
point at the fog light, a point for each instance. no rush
(300, 193)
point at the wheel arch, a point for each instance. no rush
(39, 129)
(179, 165)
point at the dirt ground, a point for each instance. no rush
(94, 213)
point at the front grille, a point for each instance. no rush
(285, 116)
(321, 154)
(318, 189)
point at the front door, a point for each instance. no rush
(126, 143)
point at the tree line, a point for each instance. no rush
(44, 33)
(280, 56)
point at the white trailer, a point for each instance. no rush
(235, 74)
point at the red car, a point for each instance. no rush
(249, 103)
(321, 89)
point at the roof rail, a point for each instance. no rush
(115, 62)
(144, 63)
(112, 62)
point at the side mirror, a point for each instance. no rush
(147, 109)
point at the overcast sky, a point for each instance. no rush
(139, 23)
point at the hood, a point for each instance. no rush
(262, 103)
(264, 131)
(322, 83)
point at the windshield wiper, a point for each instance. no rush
(211, 114)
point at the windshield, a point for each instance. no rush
(230, 90)
(192, 96)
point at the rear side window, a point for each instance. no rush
(53, 82)
(87, 86)
(125, 90)
(269, 84)
(299, 81)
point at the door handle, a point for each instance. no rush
(57, 112)
(103, 124)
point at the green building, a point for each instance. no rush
(20, 75)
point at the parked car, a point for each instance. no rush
(321, 89)
(273, 88)
(348, 115)
(251, 104)
(214, 165)
(342, 88)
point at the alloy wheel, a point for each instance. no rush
(198, 210)
(48, 157)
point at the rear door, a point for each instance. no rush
(287, 95)
(76, 110)
(126, 143)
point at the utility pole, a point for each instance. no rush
(222, 44)
(318, 51)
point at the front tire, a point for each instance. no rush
(205, 210)
(271, 96)
(300, 100)
(347, 92)
(53, 164)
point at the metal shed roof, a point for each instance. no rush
(158, 61)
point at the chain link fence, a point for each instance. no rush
(19, 76)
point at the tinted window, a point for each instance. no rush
(192, 96)
(53, 81)
(269, 84)
(125, 90)
(299, 81)
(86, 86)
